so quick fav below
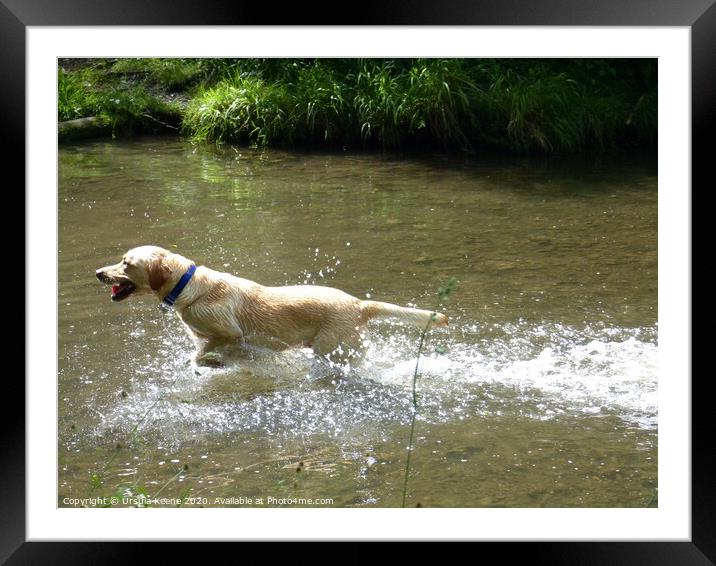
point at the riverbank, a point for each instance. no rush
(517, 105)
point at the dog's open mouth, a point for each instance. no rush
(121, 291)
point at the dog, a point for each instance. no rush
(219, 308)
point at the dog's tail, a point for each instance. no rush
(416, 317)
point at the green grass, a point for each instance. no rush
(240, 109)
(74, 97)
(128, 105)
(321, 105)
(521, 105)
(169, 74)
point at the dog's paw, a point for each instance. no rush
(210, 360)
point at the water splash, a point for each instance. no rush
(518, 370)
(325, 268)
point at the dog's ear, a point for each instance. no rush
(158, 272)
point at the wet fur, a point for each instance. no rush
(219, 308)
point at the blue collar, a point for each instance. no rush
(174, 293)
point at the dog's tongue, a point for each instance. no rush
(115, 288)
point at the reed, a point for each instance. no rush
(443, 294)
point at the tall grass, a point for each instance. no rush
(535, 105)
(242, 108)
(384, 103)
(74, 99)
(320, 106)
(523, 105)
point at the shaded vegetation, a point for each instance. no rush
(129, 101)
(513, 104)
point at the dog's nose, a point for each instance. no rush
(100, 274)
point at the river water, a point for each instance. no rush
(542, 392)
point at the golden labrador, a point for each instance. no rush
(218, 308)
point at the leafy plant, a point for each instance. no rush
(524, 105)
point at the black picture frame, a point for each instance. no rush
(699, 15)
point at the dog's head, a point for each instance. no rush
(144, 269)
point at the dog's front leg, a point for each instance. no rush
(203, 345)
(204, 354)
